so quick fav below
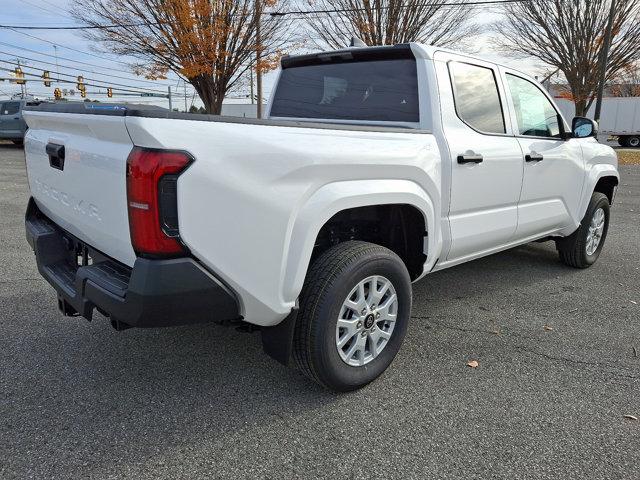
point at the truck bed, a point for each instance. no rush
(241, 198)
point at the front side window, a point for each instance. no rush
(380, 90)
(476, 97)
(10, 108)
(534, 112)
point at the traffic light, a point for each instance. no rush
(47, 78)
(57, 94)
(109, 92)
(80, 85)
(83, 92)
(19, 76)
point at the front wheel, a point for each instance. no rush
(354, 310)
(582, 248)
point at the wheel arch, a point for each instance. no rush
(607, 185)
(333, 198)
(600, 177)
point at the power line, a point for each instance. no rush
(62, 58)
(356, 9)
(73, 50)
(68, 48)
(77, 68)
(88, 84)
(110, 84)
(50, 4)
(44, 9)
(271, 14)
(79, 62)
(87, 27)
(471, 5)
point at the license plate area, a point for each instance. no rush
(79, 254)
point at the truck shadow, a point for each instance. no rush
(497, 274)
(198, 383)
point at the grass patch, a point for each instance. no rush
(628, 156)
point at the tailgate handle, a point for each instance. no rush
(56, 155)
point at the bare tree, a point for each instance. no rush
(387, 22)
(568, 35)
(211, 43)
(627, 82)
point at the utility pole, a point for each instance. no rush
(604, 60)
(169, 97)
(55, 49)
(258, 55)
(251, 84)
(548, 79)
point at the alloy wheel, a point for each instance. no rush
(366, 321)
(594, 234)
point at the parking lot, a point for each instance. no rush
(78, 399)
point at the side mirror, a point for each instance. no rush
(584, 127)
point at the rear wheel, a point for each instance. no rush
(582, 248)
(354, 311)
(633, 142)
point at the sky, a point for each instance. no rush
(68, 53)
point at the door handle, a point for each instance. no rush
(533, 157)
(470, 158)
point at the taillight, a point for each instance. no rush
(152, 202)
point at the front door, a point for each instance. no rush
(486, 160)
(553, 166)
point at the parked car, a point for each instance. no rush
(12, 125)
(375, 167)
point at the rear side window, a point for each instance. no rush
(10, 108)
(380, 90)
(476, 97)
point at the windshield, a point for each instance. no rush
(380, 90)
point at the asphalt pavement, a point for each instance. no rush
(80, 400)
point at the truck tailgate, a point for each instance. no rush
(86, 191)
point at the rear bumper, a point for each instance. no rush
(154, 293)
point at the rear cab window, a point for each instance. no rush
(477, 98)
(349, 87)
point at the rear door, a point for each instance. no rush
(553, 167)
(2, 133)
(486, 160)
(11, 120)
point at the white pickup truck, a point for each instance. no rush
(375, 167)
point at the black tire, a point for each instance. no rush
(633, 141)
(622, 141)
(329, 281)
(18, 142)
(573, 249)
